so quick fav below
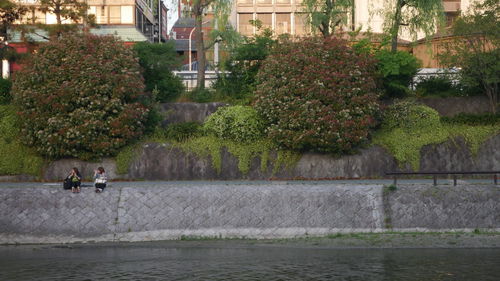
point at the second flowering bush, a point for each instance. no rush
(317, 95)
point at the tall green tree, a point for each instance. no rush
(475, 48)
(412, 16)
(221, 30)
(158, 62)
(64, 10)
(238, 81)
(326, 15)
(9, 12)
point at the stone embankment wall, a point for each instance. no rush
(452, 106)
(156, 161)
(187, 112)
(148, 212)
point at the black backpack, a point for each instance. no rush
(67, 183)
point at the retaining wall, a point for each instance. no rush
(270, 210)
(159, 161)
(452, 106)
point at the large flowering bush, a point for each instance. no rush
(317, 95)
(238, 123)
(80, 96)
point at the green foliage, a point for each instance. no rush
(81, 96)
(420, 127)
(472, 119)
(204, 147)
(15, 158)
(158, 62)
(5, 86)
(238, 123)
(408, 115)
(397, 70)
(286, 159)
(125, 157)
(179, 132)
(237, 82)
(326, 15)
(211, 146)
(390, 188)
(9, 13)
(412, 16)
(442, 86)
(200, 95)
(74, 11)
(317, 95)
(475, 48)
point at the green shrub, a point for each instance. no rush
(408, 115)
(238, 123)
(81, 96)
(181, 131)
(317, 95)
(200, 95)
(5, 86)
(440, 86)
(397, 71)
(15, 158)
(472, 119)
(237, 83)
(170, 87)
(158, 62)
(407, 127)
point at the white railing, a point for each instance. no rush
(189, 78)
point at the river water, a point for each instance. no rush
(240, 260)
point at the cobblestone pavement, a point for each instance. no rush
(159, 211)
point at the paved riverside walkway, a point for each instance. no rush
(148, 211)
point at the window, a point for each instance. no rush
(100, 13)
(283, 24)
(244, 26)
(282, 1)
(39, 17)
(301, 28)
(245, 1)
(266, 20)
(50, 18)
(264, 1)
(127, 13)
(450, 18)
(115, 14)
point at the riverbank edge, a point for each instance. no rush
(474, 239)
(232, 234)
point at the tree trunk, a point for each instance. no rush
(200, 51)
(57, 11)
(492, 94)
(327, 21)
(395, 26)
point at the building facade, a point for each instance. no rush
(288, 16)
(130, 20)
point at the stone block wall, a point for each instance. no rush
(154, 211)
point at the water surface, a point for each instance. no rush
(239, 260)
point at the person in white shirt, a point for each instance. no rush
(100, 179)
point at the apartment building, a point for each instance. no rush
(131, 20)
(287, 16)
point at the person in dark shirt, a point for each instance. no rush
(75, 179)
